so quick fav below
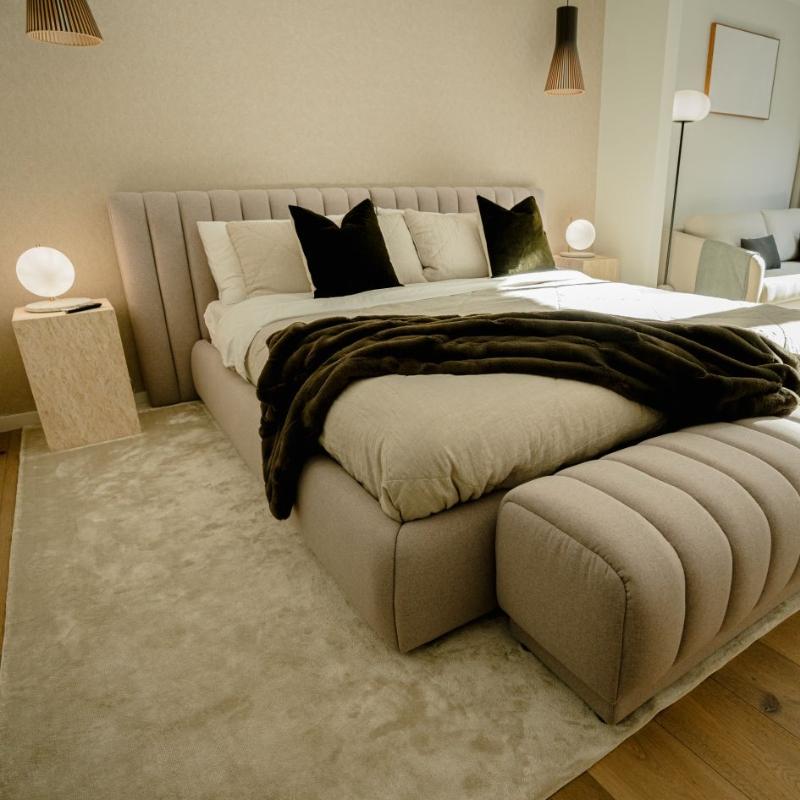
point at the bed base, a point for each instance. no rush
(411, 582)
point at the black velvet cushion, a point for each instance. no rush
(765, 246)
(515, 239)
(347, 259)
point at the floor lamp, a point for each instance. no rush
(688, 106)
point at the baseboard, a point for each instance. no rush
(29, 419)
(10, 422)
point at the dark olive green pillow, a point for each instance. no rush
(515, 238)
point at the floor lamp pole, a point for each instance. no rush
(674, 199)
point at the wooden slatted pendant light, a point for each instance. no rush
(565, 76)
(67, 22)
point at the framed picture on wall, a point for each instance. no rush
(741, 71)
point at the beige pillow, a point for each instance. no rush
(270, 256)
(449, 245)
(400, 245)
(222, 261)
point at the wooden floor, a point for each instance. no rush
(735, 737)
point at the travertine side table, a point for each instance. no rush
(602, 267)
(76, 368)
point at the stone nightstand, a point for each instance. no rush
(602, 267)
(76, 368)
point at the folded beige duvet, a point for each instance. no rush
(421, 444)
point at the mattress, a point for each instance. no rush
(424, 443)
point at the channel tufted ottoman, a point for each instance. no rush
(622, 573)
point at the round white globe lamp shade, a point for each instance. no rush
(47, 272)
(580, 234)
(690, 105)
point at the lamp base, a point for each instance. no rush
(577, 254)
(56, 304)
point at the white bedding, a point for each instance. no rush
(421, 444)
(233, 328)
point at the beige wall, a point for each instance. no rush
(247, 93)
(641, 40)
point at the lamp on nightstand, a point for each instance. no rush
(580, 237)
(47, 272)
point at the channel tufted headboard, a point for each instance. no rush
(165, 273)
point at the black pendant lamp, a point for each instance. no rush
(565, 76)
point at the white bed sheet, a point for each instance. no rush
(233, 328)
(212, 315)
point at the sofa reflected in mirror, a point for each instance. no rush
(728, 255)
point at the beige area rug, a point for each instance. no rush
(166, 639)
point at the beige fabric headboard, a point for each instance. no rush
(165, 273)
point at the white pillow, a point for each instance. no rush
(270, 256)
(399, 244)
(449, 245)
(223, 261)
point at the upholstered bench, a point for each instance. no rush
(622, 573)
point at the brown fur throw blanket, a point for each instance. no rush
(691, 373)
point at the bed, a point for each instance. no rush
(412, 573)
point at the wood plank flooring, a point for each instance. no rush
(735, 737)
(786, 639)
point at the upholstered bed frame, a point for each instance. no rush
(411, 582)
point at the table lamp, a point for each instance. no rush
(47, 272)
(580, 237)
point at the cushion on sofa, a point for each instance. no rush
(729, 228)
(765, 247)
(784, 225)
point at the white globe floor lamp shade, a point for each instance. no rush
(47, 272)
(688, 105)
(580, 237)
